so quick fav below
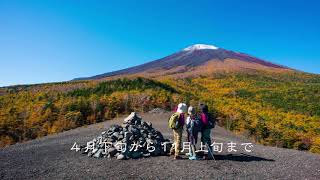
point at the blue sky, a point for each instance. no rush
(58, 40)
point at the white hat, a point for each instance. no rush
(191, 110)
(182, 108)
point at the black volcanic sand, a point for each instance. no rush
(50, 158)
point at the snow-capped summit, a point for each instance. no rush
(199, 46)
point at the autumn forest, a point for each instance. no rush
(280, 110)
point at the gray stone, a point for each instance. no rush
(112, 151)
(98, 153)
(146, 155)
(127, 135)
(116, 135)
(120, 157)
(90, 154)
(94, 151)
(149, 124)
(130, 117)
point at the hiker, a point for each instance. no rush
(208, 122)
(176, 123)
(194, 126)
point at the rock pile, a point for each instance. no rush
(135, 138)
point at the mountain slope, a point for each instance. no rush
(198, 59)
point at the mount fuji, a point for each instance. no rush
(198, 59)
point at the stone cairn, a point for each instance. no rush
(138, 137)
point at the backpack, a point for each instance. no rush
(197, 125)
(211, 121)
(173, 121)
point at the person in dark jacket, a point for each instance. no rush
(206, 129)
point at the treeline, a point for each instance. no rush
(29, 114)
(105, 88)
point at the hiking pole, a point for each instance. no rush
(211, 153)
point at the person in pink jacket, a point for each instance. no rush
(207, 124)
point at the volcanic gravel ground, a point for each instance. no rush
(51, 158)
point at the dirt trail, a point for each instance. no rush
(50, 158)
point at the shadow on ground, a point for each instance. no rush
(240, 158)
(237, 157)
(232, 157)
